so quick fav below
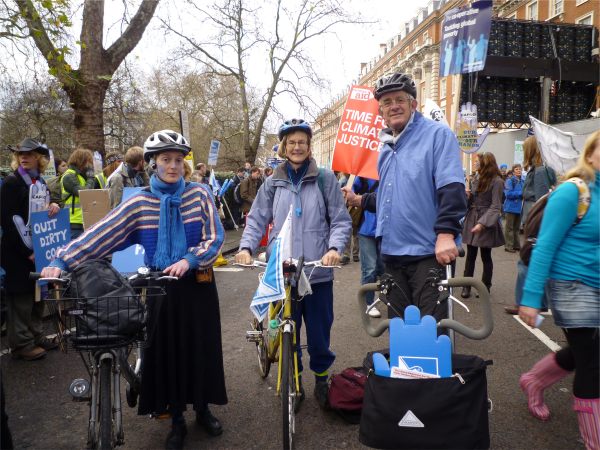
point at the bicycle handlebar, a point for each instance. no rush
(144, 277)
(316, 263)
(483, 332)
(37, 276)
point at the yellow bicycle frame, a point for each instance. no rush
(274, 310)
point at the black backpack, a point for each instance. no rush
(108, 309)
(533, 222)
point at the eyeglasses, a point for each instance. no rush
(389, 102)
(292, 144)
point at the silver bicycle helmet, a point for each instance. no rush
(161, 141)
(395, 82)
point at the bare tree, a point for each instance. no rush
(241, 33)
(35, 108)
(85, 86)
(212, 103)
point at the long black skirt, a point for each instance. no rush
(183, 357)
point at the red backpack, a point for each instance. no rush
(346, 392)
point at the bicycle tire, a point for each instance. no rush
(105, 441)
(287, 392)
(262, 353)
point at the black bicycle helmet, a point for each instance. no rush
(161, 141)
(289, 126)
(395, 82)
(30, 145)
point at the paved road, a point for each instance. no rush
(42, 416)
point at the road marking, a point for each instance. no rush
(540, 335)
(228, 269)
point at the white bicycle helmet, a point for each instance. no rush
(161, 141)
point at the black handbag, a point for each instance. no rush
(441, 413)
(107, 309)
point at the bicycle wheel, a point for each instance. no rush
(264, 363)
(288, 390)
(105, 441)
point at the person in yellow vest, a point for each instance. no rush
(79, 175)
(113, 160)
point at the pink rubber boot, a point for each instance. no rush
(543, 374)
(588, 416)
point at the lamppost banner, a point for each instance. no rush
(357, 143)
(465, 36)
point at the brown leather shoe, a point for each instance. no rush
(30, 355)
(513, 310)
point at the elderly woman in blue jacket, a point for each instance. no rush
(513, 189)
(321, 228)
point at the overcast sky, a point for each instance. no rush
(337, 55)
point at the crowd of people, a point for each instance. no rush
(409, 224)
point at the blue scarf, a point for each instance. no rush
(172, 243)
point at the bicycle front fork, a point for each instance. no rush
(288, 327)
(116, 399)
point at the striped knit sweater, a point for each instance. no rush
(135, 221)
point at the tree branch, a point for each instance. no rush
(132, 35)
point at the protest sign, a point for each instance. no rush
(465, 36)
(560, 150)
(518, 152)
(432, 111)
(95, 204)
(97, 162)
(213, 154)
(51, 169)
(466, 129)
(132, 258)
(48, 235)
(357, 143)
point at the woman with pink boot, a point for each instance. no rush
(566, 259)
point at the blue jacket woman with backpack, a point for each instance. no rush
(321, 228)
(513, 189)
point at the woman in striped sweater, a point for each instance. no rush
(178, 225)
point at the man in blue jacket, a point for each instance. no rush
(421, 197)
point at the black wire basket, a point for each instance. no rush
(91, 323)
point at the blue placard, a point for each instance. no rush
(213, 154)
(48, 235)
(132, 258)
(465, 36)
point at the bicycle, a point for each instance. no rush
(447, 284)
(83, 325)
(277, 343)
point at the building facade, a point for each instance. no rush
(415, 50)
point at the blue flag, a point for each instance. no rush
(271, 286)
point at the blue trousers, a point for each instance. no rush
(317, 311)
(370, 262)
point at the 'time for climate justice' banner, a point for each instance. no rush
(357, 143)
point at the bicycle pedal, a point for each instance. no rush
(160, 416)
(254, 336)
(81, 399)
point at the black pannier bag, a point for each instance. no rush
(441, 413)
(109, 311)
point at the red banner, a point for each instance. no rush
(357, 143)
